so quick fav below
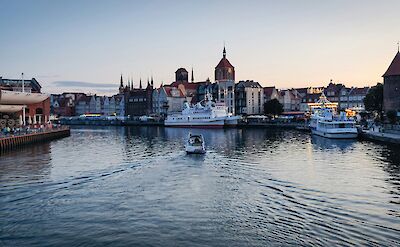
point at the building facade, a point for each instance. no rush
(168, 100)
(290, 99)
(270, 93)
(391, 86)
(138, 101)
(249, 98)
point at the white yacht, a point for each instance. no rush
(195, 144)
(209, 115)
(324, 122)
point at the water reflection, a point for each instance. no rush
(26, 163)
(323, 143)
(389, 160)
(253, 187)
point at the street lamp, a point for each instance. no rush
(23, 108)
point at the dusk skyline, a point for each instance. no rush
(285, 44)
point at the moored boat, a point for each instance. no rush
(209, 115)
(324, 122)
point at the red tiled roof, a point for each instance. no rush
(168, 91)
(359, 91)
(187, 85)
(302, 90)
(84, 98)
(394, 67)
(191, 86)
(312, 96)
(268, 91)
(224, 63)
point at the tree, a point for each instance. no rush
(273, 107)
(373, 101)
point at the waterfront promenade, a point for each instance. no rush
(381, 136)
(30, 136)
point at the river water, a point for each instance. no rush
(136, 186)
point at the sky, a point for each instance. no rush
(85, 45)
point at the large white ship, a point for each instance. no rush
(209, 115)
(324, 122)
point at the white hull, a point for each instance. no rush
(195, 150)
(336, 135)
(217, 123)
(231, 121)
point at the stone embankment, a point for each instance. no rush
(9, 142)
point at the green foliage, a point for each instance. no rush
(373, 101)
(392, 116)
(273, 107)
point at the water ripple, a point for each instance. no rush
(136, 186)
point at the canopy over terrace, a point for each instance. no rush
(10, 108)
(20, 98)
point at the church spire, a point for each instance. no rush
(224, 52)
(122, 82)
(152, 82)
(192, 79)
(140, 83)
(132, 83)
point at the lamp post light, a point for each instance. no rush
(23, 108)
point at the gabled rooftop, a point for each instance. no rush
(394, 67)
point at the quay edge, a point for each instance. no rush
(380, 137)
(11, 142)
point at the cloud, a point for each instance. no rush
(83, 84)
(46, 76)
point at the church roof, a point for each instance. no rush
(224, 63)
(181, 70)
(394, 67)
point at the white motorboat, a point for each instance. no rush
(195, 144)
(324, 122)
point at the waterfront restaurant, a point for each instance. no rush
(16, 103)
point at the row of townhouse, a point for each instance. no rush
(241, 98)
(75, 104)
(298, 99)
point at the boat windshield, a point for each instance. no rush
(195, 141)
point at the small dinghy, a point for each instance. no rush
(195, 144)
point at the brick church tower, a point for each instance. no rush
(224, 69)
(391, 85)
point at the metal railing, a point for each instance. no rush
(21, 131)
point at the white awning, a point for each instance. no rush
(17, 98)
(11, 108)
